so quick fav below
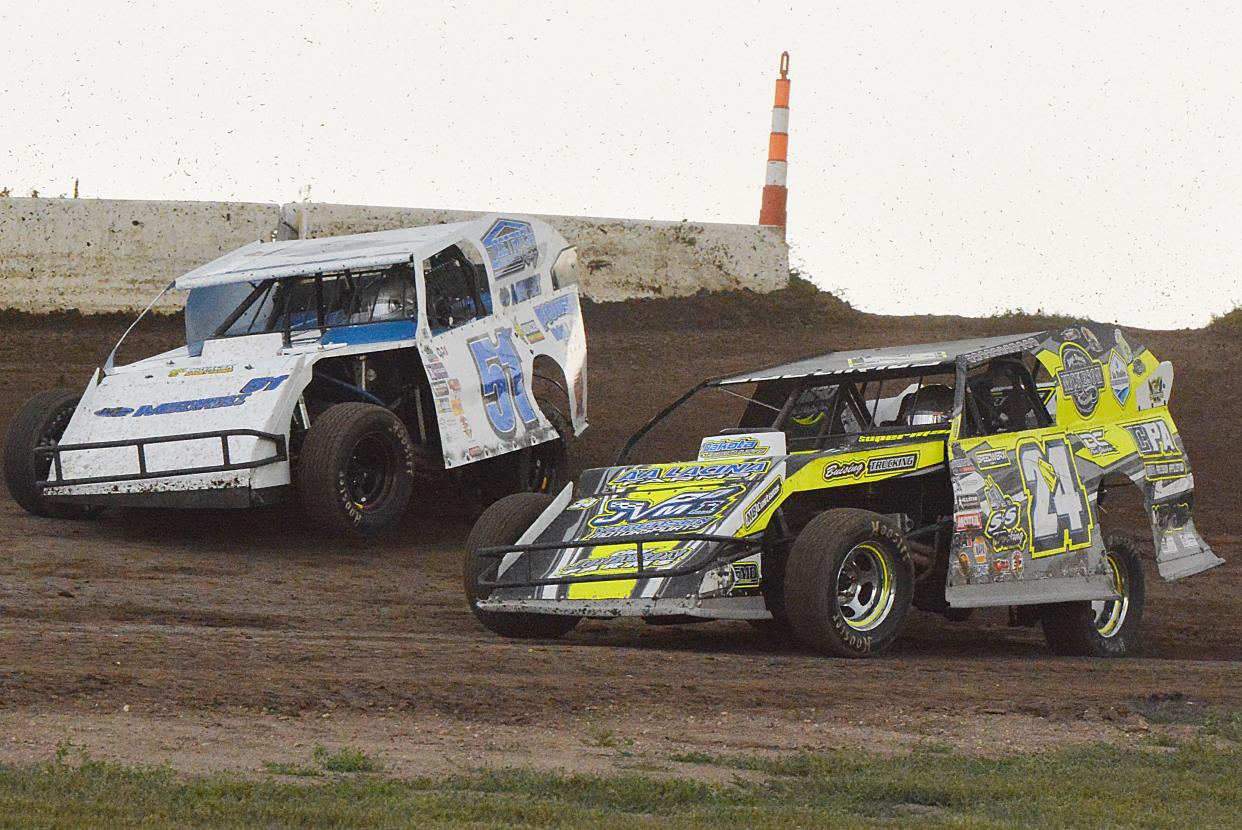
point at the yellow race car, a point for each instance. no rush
(853, 485)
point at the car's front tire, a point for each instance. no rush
(355, 471)
(1106, 628)
(40, 422)
(503, 524)
(848, 583)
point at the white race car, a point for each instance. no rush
(331, 370)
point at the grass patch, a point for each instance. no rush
(1227, 725)
(1088, 787)
(344, 760)
(288, 768)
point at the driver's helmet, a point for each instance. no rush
(933, 404)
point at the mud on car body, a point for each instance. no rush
(332, 370)
(853, 485)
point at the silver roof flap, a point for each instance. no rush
(298, 257)
(894, 357)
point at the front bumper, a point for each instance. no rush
(219, 481)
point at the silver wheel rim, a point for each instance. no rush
(865, 589)
(1109, 615)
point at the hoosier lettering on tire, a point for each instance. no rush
(848, 583)
(356, 470)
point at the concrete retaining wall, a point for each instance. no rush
(112, 254)
(620, 258)
(115, 255)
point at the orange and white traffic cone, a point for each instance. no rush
(772, 210)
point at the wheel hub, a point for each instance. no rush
(864, 588)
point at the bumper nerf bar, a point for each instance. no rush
(140, 444)
(726, 555)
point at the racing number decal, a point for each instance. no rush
(504, 387)
(1060, 514)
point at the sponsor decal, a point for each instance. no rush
(1016, 563)
(439, 388)
(1026, 344)
(691, 472)
(988, 459)
(731, 448)
(627, 516)
(519, 291)
(474, 452)
(254, 385)
(436, 370)
(968, 521)
(1156, 391)
(893, 463)
(202, 370)
(1002, 528)
(1138, 367)
(968, 501)
(961, 467)
(554, 317)
(465, 426)
(1152, 438)
(1081, 378)
(1171, 515)
(1001, 566)
(745, 574)
(761, 503)
(511, 247)
(583, 503)
(444, 405)
(1096, 443)
(529, 331)
(653, 560)
(1165, 469)
(904, 436)
(896, 360)
(1123, 346)
(835, 470)
(963, 564)
(1119, 378)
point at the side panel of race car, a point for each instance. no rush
(481, 372)
(1026, 526)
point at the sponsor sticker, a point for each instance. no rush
(252, 386)
(554, 317)
(968, 521)
(988, 459)
(1081, 378)
(691, 472)
(201, 370)
(761, 503)
(745, 574)
(1096, 443)
(1119, 378)
(510, 246)
(893, 463)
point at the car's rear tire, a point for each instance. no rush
(543, 468)
(1108, 628)
(503, 524)
(848, 583)
(355, 471)
(39, 423)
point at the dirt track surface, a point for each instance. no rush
(235, 638)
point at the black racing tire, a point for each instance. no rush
(39, 423)
(543, 468)
(848, 583)
(1107, 628)
(503, 524)
(355, 471)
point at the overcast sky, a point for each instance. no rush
(944, 157)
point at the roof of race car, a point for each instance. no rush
(894, 357)
(297, 257)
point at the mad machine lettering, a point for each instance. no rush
(262, 384)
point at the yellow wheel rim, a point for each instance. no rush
(865, 590)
